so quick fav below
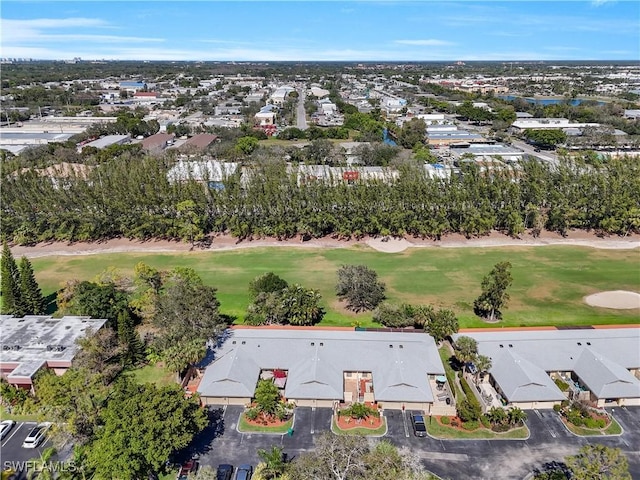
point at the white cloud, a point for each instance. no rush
(431, 42)
(44, 31)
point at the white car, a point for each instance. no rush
(5, 427)
(36, 435)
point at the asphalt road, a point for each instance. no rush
(301, 115)
(451, 459)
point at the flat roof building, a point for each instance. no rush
(108, 140)
(38, 341)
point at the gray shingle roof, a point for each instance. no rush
(522, 381)
(316, 360)
(601, 358)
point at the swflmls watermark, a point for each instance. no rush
(39, 466)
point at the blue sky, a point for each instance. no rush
(310, 31)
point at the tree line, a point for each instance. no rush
(131, 197)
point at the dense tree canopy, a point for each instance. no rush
(359, 286)
(142, 426)
(134, 199)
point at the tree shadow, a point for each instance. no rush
(552, 471)
(201, 443)
(51, 302)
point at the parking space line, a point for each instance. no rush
(14, 432)
(313, 419)
(404, 421)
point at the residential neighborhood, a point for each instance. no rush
(320, 240)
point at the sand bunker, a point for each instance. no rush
(618, 299)
(388, 244)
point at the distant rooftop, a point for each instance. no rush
(30, 342)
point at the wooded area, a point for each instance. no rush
(132, 197)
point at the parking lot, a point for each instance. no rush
(549, 441)
(13, 455)
(454, 459)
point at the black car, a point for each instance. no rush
(419, 427)
(225, 472)
(244, 472)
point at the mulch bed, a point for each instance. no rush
(348, 423)
(262, 421)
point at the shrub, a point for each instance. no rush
(455, 423)
(557, 408)
(445, 420)
(562, 385)
(486, 423)
(252, 413)
(564, 403)
(598, 423)
(469, 411)
(470, 425)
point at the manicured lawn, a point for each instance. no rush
(548, 288)
(435, 429)
(360, 431)
(153, 374)
(614, 428)
(243, 426)
(445, 355)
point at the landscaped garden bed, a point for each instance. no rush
(454, 428)
(269, 412)
(583, 420)
(359, 419)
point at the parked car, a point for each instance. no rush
(190, 466)
(36, 435)
(419, 427)
(5, 427)
(244, 472)
(225, 472)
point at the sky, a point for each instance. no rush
(375, 30)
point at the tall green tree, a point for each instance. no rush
(599, 462)
(267, 283)
(360, 287)
(142, 426)
(31, 296)
(132, 346)
(494, 292)
(10, 282)
(185, 311)
(466, 349)
(274, 462)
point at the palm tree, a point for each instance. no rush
(497, 415)
(516, 416)
(483, 364)
(275, 464)
(466, 349)
(40, 469)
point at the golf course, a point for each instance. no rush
(549, 283)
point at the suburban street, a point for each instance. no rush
(451, 459)
(301, 115)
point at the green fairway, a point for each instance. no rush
(549, 283)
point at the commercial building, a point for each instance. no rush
(522, 124)
(108, 140)
(319, 368)
(599, 365)
(40, 341)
